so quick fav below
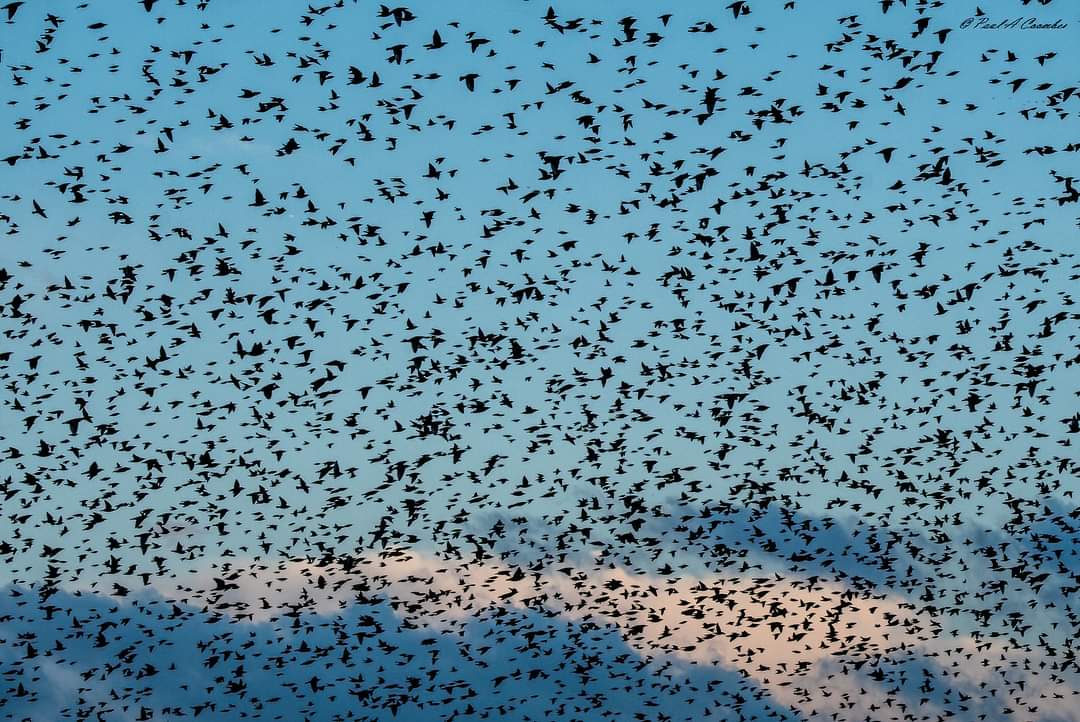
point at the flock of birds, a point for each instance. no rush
(501, 361)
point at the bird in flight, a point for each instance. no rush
(538, 362)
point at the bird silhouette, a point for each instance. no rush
(514, 361)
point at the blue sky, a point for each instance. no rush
(570, 318)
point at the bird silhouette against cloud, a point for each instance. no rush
(515, 361)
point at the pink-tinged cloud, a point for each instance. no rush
(811, 644)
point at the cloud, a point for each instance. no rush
(150, 658)
(784, 634)
(816, 646)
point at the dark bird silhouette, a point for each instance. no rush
(502, 361)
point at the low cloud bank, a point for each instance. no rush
(816, 646)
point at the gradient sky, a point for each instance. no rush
(615, 375)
